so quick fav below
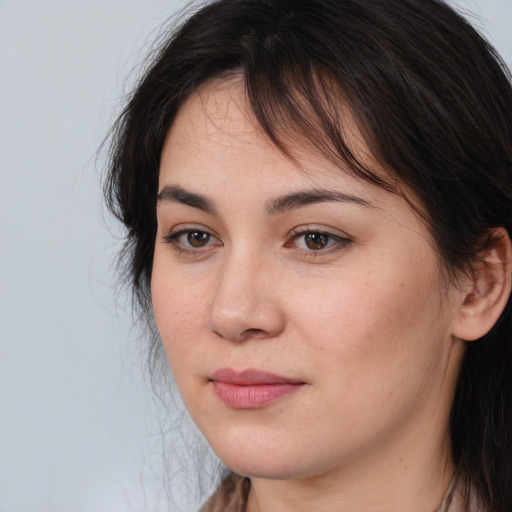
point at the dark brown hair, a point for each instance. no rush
(433, 102)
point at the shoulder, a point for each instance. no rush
(231, 495)
(463, 503)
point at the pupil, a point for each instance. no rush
(198, 238)
(316, 241)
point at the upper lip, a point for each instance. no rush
(250, 377)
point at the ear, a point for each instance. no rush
(486, 292)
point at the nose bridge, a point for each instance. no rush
(244, 304)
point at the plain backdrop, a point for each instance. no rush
(80, 430)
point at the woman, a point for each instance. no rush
(317, 195)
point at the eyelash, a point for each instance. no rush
(337, 242)
(173, 240)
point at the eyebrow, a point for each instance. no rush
(302, 198)
(292, 201)
(175, 194)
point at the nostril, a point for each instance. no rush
(247, 334)
(252, 333)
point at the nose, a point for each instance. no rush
(244, 305)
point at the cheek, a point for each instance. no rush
(382, 323)
(178, 311)
(376, 346)
(179, 322)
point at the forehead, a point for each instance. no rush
(215, 119)
(216, 128)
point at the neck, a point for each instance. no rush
(416, 479)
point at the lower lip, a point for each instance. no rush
(252, 396)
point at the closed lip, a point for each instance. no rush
(250, 377)
(251, 389)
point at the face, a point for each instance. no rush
(302, 310)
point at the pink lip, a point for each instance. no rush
(251, 389)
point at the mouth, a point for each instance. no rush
(251, 389)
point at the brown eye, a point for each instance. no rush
(197, 238)
(193, 241)
(316, 241)
(313, 243)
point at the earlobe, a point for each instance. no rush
(487, 292)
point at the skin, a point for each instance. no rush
(366, 322)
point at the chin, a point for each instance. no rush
(268, 469)
(263, 460)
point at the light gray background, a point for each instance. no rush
(79, 429)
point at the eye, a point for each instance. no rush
(314, 241)
(191, 239)
(196, 238)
